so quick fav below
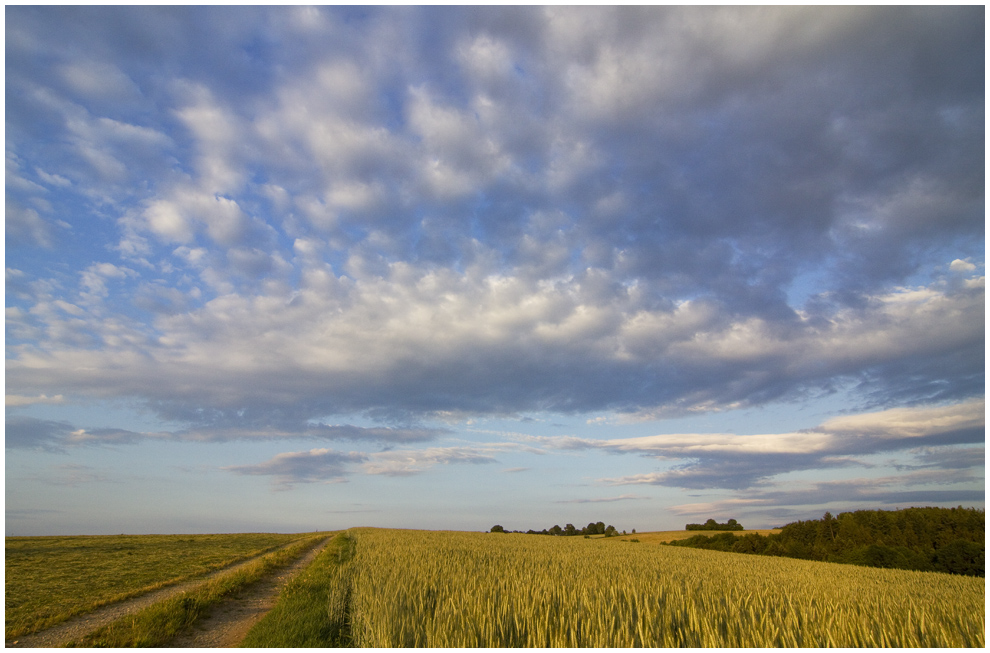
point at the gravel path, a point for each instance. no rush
(80, 625)
(230, 621)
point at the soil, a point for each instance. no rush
(266, 589)
(229, 622)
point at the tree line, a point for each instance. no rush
(950, 540)
(712, 525)
(594, 528)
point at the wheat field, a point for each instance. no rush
(453, 589)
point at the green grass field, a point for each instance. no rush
(49, 579)
(383, 588)
(156, 625)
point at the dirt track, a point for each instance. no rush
(76, 627)
(231, 620)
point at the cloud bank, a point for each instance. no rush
(544, 209)
(264, 224)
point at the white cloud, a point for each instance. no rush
(959, 265)
(218, 140)
(27, 225)
(327, 465)
(94, 280)
(21, 400)
(409, 462)
(898, 423)
(98, 80)
(518, 345)
(167, 221)
(740, 461)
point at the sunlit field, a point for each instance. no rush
(391, 588)
(655, 537)
(49, 579)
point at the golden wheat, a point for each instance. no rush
(444, 589)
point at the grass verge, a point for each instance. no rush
(314, 609)
(157, 624)
(50, 579)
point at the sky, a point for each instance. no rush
(295, 269)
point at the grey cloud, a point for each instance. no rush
(510, 346)
(793, 500)
(948, 458)
(389, 435)
(303, 466)
(333, 466)
(885, 491)
(649, 182)
(741, 462)
(158, 298)
(624, 497)
(381, 435)
(24, 226)
(108, 436)
(30, 433)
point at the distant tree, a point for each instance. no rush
(712, 525)
(570, 530)
(610, 531)
(600, 528)
(828, 528)
(556, 530)
(497, 529)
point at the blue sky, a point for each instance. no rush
(311, 268)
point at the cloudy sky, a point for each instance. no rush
(298, 268)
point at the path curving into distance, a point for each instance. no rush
(83, 624)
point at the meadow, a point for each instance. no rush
(49, 579)
(386, 588)
(156, 625)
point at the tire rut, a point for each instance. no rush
(229, 622)
(78, 626)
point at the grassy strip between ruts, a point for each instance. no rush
(50, 579)
(314, 609)
(157, 624)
